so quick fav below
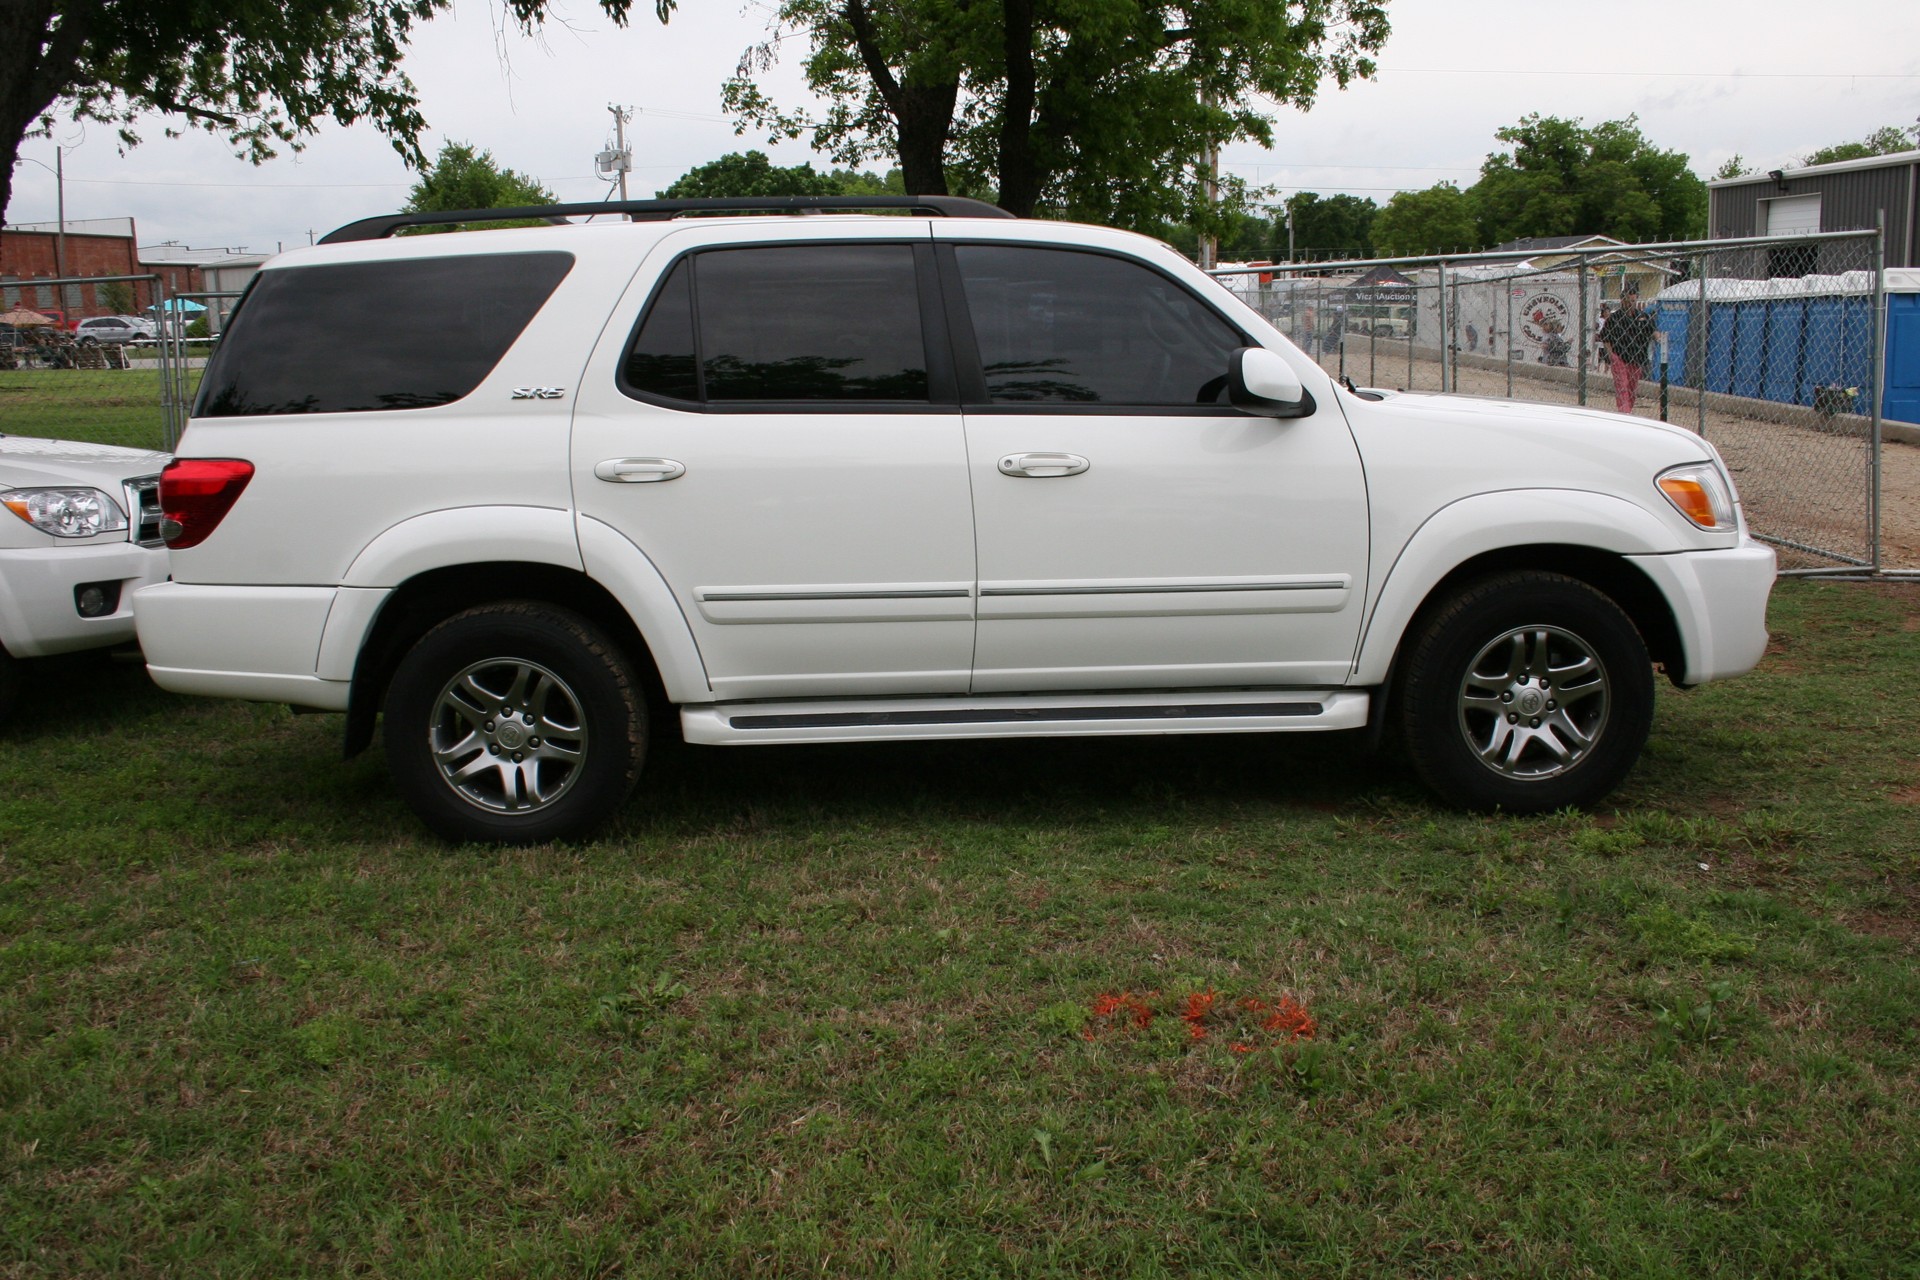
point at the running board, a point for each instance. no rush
(1024, 716)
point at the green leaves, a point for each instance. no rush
(465, 178)
(1436, 220)
(1101, 110)
(1561, 178)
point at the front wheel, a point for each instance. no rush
(515, 723)
(1527, 692)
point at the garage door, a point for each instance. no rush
(1793, 215)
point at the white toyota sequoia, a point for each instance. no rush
(937, 474)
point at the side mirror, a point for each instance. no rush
(1261, 382)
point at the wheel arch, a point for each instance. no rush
(1607, 572)
(428, 598)
(1586, 536)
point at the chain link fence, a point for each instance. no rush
(1772, 349)
(92, 357)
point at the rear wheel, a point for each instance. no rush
(515, 723)
(1527, 692)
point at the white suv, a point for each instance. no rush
(79, 533)
(938, 474)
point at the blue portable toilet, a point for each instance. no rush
(1900, 388)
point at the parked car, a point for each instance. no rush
(859, 479)
(80, 533)
(116, 329)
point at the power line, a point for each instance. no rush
(1687, 75)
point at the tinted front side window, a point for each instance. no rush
(1060, 327)
(375, 335)
(786, 324)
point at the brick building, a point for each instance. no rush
(94, 247)
(109, 247)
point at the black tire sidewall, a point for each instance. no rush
(574, 650)
(1457, 632)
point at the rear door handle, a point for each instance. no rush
(639, 470)
(1043, 466)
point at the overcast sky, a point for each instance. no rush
(1766, 79)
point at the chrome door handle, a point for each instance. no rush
(639, 470)
(1043, 466)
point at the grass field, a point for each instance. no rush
(112, 406)
(973, 1008)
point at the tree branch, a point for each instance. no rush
(865, 40)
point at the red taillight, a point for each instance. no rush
(195, 496)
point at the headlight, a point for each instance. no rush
(66, 513)
(1700, 493)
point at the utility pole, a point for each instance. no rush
(1210, 187)
(1289, 208)
(620, 158)
(60, 211)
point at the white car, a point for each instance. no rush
(932, 475)
(112, 329)
(80, 532)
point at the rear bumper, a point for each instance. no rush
(38, 613)
(260, 643)
(1719, 600)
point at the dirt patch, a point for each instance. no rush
(1805, 480)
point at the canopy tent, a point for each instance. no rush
(178, 304)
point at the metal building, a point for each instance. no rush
(1847, 195)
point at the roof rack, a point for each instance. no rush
(660, 210)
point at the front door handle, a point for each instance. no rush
(1043, 466)
(639, 470)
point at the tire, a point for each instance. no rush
(1526, 692)
(472, 774)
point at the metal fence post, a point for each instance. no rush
(1876, 354)
(1703, 318)
(1509, 288)
(1585, 327)
(1445, 382)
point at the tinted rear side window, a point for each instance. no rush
(1062, 327)
(661, 360)
(785, 325)
(375, 335)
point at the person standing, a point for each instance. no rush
(1627, 336)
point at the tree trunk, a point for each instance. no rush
(923, 117)
(1020, 176)
(36, 67)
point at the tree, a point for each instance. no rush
(1883, 141)
(264, 73)
(750, 173)
(1101, 109)
(463, 178)
(117, 297)
(1561, 179)
(1336, 226)
(1735, 166)
(1437, 220)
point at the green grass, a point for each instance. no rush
(837, 1011)
(833, 1010)
(112, 406)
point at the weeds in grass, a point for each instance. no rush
(810, 1011)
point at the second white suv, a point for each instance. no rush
(937, 474)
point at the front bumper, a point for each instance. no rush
(1719, 601)
(38, 615)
